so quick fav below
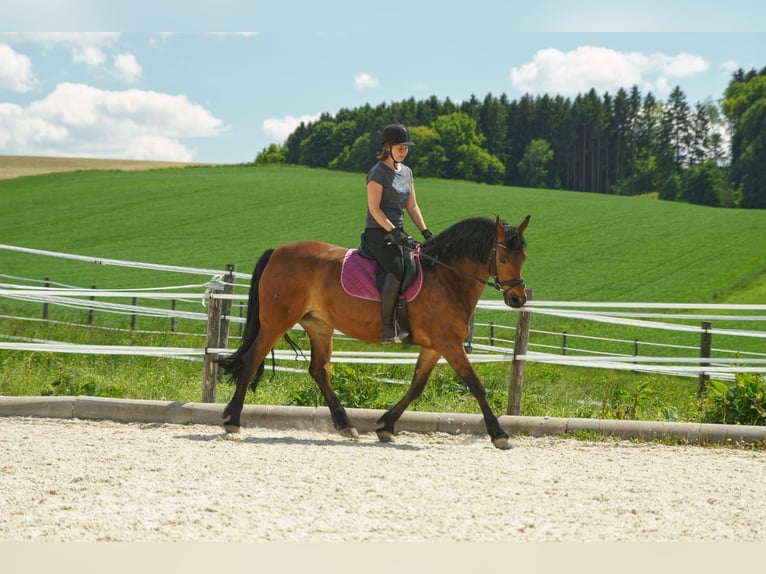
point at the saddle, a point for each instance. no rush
(361, 277)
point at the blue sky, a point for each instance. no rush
(221, 97)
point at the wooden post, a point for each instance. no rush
(173, 317)
(228, 289)
(210, 364)
(134, 302)
(521, 339)
(468, 343)
(90, 310)
(45, 304)
(564, 343)
(706, 340)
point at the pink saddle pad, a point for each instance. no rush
(358, 278)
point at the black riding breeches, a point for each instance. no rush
(389, 256)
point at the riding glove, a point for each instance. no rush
(399, 237)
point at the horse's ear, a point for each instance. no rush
(500, 226)
(524, 224)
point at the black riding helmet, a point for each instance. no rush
(396, 134)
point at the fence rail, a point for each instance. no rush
(216, 298)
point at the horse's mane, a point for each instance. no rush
(472, 239)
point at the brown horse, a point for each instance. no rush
(300, 283)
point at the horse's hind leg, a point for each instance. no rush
(320, 334)
(253, 359)
(426, 362)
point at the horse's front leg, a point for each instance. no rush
(426, 362)
(458, 360)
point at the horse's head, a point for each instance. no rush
(506, 260)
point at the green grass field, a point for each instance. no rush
(581, 247)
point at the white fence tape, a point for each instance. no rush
(120, 262)
(604, 312)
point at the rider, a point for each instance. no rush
(391, 190)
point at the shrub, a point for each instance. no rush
(744, 402)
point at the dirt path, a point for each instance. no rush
(75, 480)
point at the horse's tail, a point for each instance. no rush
(234, 363)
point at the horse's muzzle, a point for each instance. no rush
(514, 299)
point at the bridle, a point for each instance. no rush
(493, 282)
(497, 283)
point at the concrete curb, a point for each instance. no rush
(318, 418)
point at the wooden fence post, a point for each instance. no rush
(134, 302)
(45, 304)
(90, 310)
(706, 340)
(210, 361)
(468, 343)
(228, 289)
(521, 339)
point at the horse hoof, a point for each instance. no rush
(349, 432)
(502, 443)
(231, 429)
(384, 435)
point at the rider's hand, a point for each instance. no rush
(399, 237)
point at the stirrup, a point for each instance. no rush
(389, 335)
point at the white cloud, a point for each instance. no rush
(15, 71)
(365, 81)
(88, 54)
(16, 126)
(80, 120)
(88, 48)
(277, 129)
(682, 65)
(126, 68)
(604, 69)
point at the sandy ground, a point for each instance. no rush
(89, 481)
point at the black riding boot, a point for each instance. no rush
(389, 297)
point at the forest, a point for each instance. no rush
(628, 143)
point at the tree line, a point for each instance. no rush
(626, 144)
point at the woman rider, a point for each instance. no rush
(391, 191)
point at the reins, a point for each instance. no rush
(494, 282)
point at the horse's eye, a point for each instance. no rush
(503, 260)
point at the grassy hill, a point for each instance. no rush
(581, 246)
